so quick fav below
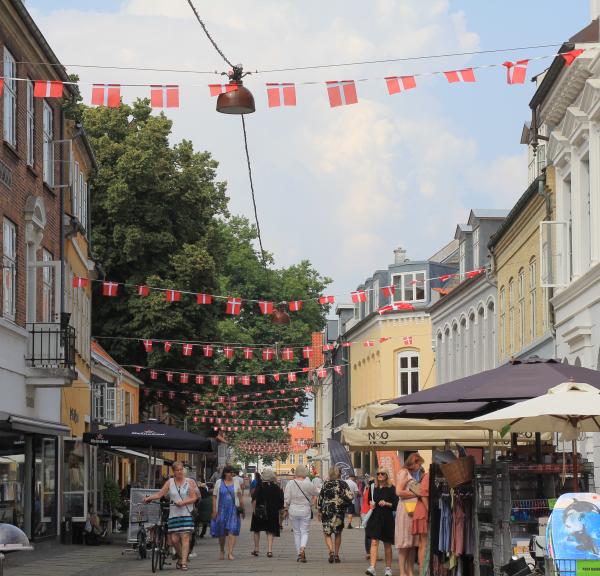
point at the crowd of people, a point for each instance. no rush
(393, 511)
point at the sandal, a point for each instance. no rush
(302, 557)
(254, 553)
(331, 557)
(178, 565)
(184, 567)
(269, 554)
(336, 559)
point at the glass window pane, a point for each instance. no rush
(404, 383)
(414, 361)
(409, 287)
(420, 286)
(404, 362)
(414, 382)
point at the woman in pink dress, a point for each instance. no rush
(405, 540)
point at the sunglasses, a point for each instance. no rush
(381, 474)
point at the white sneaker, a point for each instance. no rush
(388, 572)
(370, 571)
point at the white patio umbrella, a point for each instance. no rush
(568, 408)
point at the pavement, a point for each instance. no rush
(110, 560)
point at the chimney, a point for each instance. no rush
(594, 9)
(399, 255)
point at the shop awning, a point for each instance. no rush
(134, 454)
(33, 425)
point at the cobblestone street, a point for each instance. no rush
(110, 561)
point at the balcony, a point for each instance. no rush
(50, 345)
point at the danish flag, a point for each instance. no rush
(214, 380)
(268, 354)
(321, 372)
(384, 339)
(407, 340)
(388, 291)
(110, 288)
(326, 299)
(341, 93)
(394, 83)
(187, 349)
(169, 376)
(148, 345)
(346, 344)
(287, 354)
(278, 93)
(327, 347)
(230, 380)
(466, 75)
(106, 95)
(138, 368)
(291, 377)
(216, 89)
(208, 351)
(276, 377)
(234, 306)
(153, 374)
(248, 352)
(516, 72)
(570, 56)
(199, 379)
(395, 306)
(307, 352)
(171, 395)
(445, 277)
(166, 96)
(167, 346)
(245, 380)
(473, 273)
(143, 291)
(79, 282)
(172, 295)
(368, 343)
(203, 299)
(359, 296)
(295, 305)
(228, 352)
(260, 379)
(265, 307)
(337, 369)
(47, 89)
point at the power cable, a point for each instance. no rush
(208, 34)
(262, 251)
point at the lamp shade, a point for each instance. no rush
(238, 101)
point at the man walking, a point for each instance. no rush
(351, 481)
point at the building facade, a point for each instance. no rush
(301, 439)
(464, 320)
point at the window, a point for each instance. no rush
(48, 121)
(533, 297)
(357, 311)
(409, 286)
(75, 190)
(476, 248)
(98, 401)
(462, 257)
(9, 268)
(541, 159)
(47, 288)
(292, 459)
(30, 124)
(502, 303)
(300, 458)
(10, 99)
(368, 301)
(511, 315)
(84, 202)
(128, 408)
(408, 372)
(522, 308)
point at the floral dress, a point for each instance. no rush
(333, 502)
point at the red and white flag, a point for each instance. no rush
(321, 372)
(287, 354)
(473, 273)
(216, 89)
(276, 377)
(268, 354)
(147, 345)
(265, 307)
(214, 380)
(172, 395)
(47, 89)
(260, 379)
(1, 86)
(570, 56)
(143, 291)
(110, 288)
(466, 75)
(337, 369)
(395, 307)
(295, 305)
(138, 368)
(516, 72)
(203, 299)
(106, 95)
(384, 339)
(207, 350)
(199, 379)
(341, 93)
(245, 380)
(153, 374)
(79, 282)
(234, 306)
(230, 380)
(228, 352)
(166, 96)
(169, 376)
(368, 343)
(407, 340)
(359, 296)
(327, 347)
(187, 349)
(167, 346)
(307, 352)
(248, 353)
(326, 300)
(281, 94)
(291, 377)
(172, 295)
(395, 84)
(388, 291)
(346, 344)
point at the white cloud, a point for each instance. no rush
(363, 177)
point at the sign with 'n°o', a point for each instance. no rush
(378, 437)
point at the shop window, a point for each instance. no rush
(74, 480)
(12, 480)
(45, 494)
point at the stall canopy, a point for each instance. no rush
(151, 435)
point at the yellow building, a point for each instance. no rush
(524, 323)
(301, 438)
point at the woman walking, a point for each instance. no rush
(299, 496)
(182, 493)
(227, 508)
(333, 503)
(267, 504)
(420, 524)
(380, 526)
(406, 541)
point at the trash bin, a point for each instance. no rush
(66, 530)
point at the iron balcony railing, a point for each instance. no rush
(50, 345)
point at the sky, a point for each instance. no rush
(341, 187)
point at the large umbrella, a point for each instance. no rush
(569, 408)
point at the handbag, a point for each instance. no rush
(414, 487)
(309, 503)
(239, 509)
(364, 518)
(409, 506)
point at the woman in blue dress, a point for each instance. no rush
(227, 509)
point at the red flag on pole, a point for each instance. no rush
(106, 95)
(166, 96)
(260, 379)
(214, 380)
(291, 377)
(307, 352)
(466, 75)
(281, 93)
(341, 93)
(47, 89)
(395, 84)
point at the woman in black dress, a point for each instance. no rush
(381, 524)
(267, 503)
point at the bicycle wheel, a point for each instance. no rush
(164, 550)
(156, 550)
(141, 542)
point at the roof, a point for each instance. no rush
(586, 35)
(462, 228)
(99, 351)
(444, 253)
(492, 213)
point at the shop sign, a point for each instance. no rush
(587, 568)
(378, 438)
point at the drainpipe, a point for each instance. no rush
(62, 216)
(545, 194)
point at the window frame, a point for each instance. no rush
(476, 247)
(400, 288)
(47, 288)
(409, 369)
(30, 113)
(9, 114)
(502, 306)
(48, 144)
(522, 306)
(462, 257)
(9, 268)
(511, 315)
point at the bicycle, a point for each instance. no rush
(141, 544)
(160, 544)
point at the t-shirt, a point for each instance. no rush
(317, 483)
(353, 486)
(239, 482)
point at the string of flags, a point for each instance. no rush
(339, 92)
(264, 447)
